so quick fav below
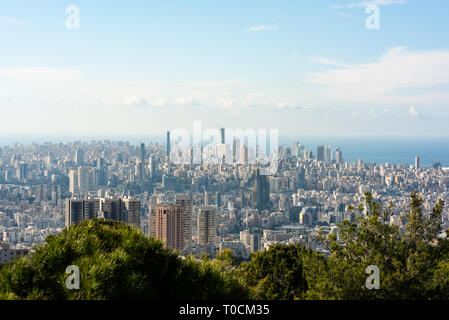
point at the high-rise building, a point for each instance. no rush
(78, 210)
(73, 181)
(295, 148)
(139, 171)
(254, 243)
(152, 221)
(101, 173)
(328, 154)
(73, 211)
(132, 207)
(320, 153)
(243, 154)
(170, 226)
(83, 179)
(152, 166)
(417, 162)
(184, 201)
(112, 208)
(218, 199)
(235, 150)
(142, 152)
(125, 210)
(21, 172)
(168, 144)
(262, 191)
(245, 237)
(207, 225)
(207, 198)
(339, 156)
(79, 157)
(222, 136)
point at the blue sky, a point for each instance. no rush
(303, 67)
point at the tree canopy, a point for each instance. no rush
(117, 261)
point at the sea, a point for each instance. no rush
(395, 150)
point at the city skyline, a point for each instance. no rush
(146, 67)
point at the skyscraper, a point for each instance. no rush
(152, 166)
(184, 201)
(243, 157)
(417, 162)
(222, 135)
(339, 156)
(132, 207)
(83, 179)
(207, 225)
(320, 153)
(142, 152)
(168, 144)
(295, 148)
(79, 157)
(77, 210)
(113, 209)
(262, 191)
(21, 172)
(73, 211)
(170, 226)
(101, 172)
(73, 181)
(152, 222)
(254, 243)
(125, 210)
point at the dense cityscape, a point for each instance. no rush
(198, 208)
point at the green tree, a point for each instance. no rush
(406, 261)
(116, 261)
(279, 272)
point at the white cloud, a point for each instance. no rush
(293, 105)
(262, 27)
(10, 21)
(39, 75)
(392, 78)
(413, 111)
(327, 61)
(362, 4)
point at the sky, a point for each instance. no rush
(303, 67)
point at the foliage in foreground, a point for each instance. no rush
(118, 262)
